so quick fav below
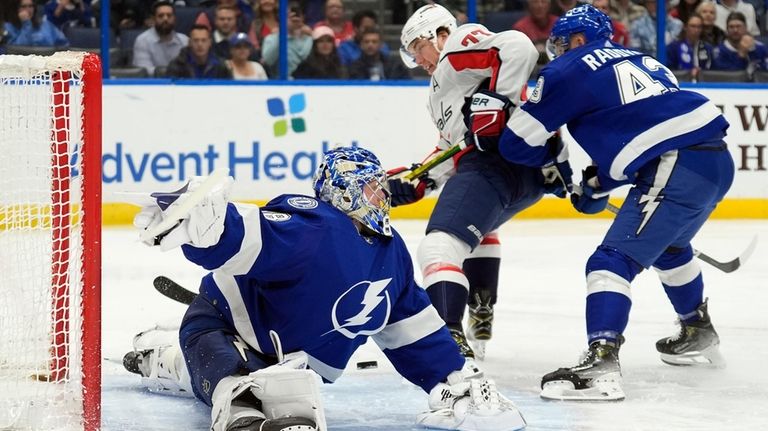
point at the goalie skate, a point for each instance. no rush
(281, 424)
(597, 377)
(480, 325)
(696, 344)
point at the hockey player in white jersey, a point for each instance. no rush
(296, 286)
(460, 254)
(639, 128)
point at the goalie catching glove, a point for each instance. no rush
(200, 226)
(467, 401)
(486, 114)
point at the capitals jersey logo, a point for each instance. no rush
(363, 309)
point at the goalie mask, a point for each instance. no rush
(352, 180)
(423, 24)
(587, 20)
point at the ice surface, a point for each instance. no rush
(539, 327)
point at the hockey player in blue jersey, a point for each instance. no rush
(295, 287)
(628, 113)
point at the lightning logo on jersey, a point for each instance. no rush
(374, 314)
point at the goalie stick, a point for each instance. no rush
(727, 267)
(172, 290)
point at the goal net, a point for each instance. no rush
(50, 257)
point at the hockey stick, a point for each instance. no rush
(428, 166)
(727, 267)
(181, 210)
(172, 290)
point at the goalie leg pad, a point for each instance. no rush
(285, 391)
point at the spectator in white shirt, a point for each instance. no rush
(240, 48)
(160, 44)
(725, 7)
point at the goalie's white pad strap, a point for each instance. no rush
(227, 390)
(285, 391)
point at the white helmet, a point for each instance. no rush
(424, 24)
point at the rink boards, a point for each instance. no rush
(270, 137)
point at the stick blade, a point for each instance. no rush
(172, 290)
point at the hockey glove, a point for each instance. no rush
(201, 226)
(467, 400)
(557, 179)
(588, 198)
(485, 115)
(404, 192)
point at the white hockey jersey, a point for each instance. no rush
(475, 58)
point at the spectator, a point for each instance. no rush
(159, 45)
(299, 42)
(127, 14)
(726, 7)
(70, 13)
(225, 26)
(266, 21)
(197, 60)
(242, 68)
(689, 52)
(337, 21)
(537, 24)
(643, 30)
(620, 32)
(349, 50)
(710, 33)
(26, 28)
(739, 50)
(243, 12)
(373, 64)
(323, 61)
(559, 7)
(684, 9)
(626, 11)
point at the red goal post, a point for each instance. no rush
(50, 242)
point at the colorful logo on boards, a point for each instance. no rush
(296, 105)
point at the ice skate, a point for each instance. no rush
(254, 423)
(162, 369)
(480, 325)
(457, 333)
(596, 378)
(697, 343)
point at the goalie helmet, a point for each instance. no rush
(352, 180)
(424, 23)
(587, 20)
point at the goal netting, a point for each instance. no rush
(50, 258)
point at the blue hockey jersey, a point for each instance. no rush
(298, 266)
(623, 107)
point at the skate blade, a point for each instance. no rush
(478, 346)
(608, 388)
(709, 357)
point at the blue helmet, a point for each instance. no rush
(586, 19)
(352, 180)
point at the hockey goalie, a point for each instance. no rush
(295, 287)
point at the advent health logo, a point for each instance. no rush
(297, 103)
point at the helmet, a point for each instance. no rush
(352, 180)
(586, 19)
(424, 24)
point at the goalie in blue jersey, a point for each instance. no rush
(628, 113)
(295, 287)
